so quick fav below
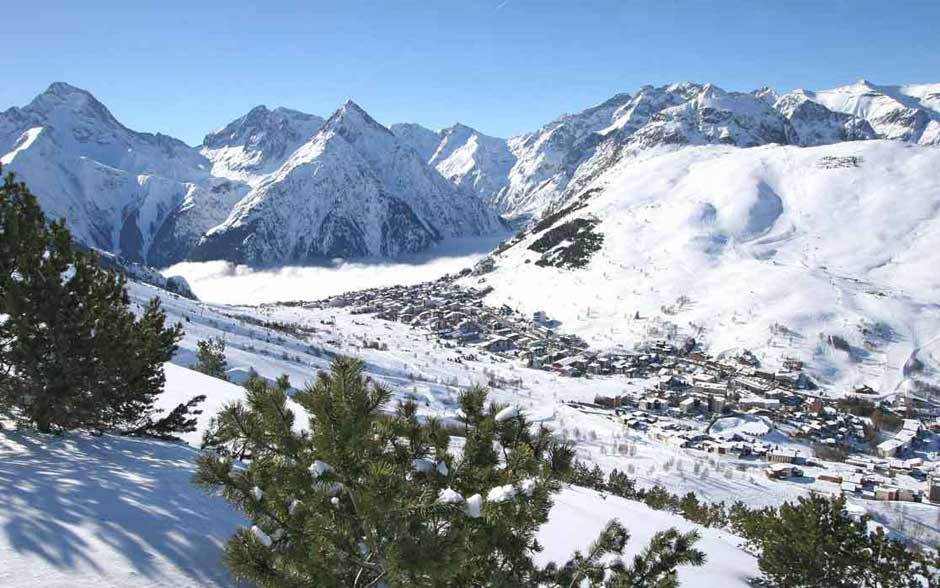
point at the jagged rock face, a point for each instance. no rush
(713, 116)
(258, 143)
(813, 124)
(353, 190)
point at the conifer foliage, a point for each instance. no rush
(210, 357)
(72, 353)
(358, 497)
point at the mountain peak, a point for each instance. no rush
(64, 89)
(352, 116)
(64, 97)
(260, 109)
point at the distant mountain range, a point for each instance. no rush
(281, 186)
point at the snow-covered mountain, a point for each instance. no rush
(463, 155)
(114, 186)
(353, 190)
(277, 185)
(546, 159)
(152, 198)
(904, 113)
(257, 144)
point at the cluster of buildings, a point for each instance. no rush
(680, 381)
(458, 315)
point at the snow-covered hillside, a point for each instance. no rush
(772, 248)
(353, 190)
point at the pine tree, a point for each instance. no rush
(72, 353)
(815, 543)
(360, 497)
(210, 357)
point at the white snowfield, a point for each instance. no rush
(770, 248)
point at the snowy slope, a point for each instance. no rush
(353, 190)
(83, 511)
(772, 248)
(546, 159)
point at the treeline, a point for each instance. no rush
(811, 543)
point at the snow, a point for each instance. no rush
(580, 514)
(261, 536)
(449, 496)
(527, 486)
(83, 511)
(501, 493)
(473, 506)
(507, 413)
(318, 468)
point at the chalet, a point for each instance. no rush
(689, 405)
(779, 471)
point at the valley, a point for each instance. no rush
(731, 294)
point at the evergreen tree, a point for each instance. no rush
(815, 543)
(364, 498)
(210, 357)
(72, 353)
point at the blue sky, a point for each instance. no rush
(502, 66)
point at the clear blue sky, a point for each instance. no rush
(502, 66)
